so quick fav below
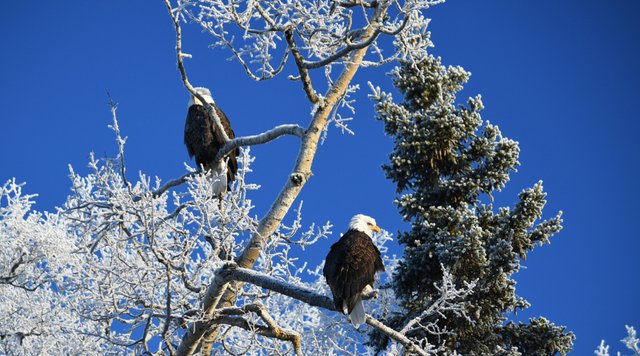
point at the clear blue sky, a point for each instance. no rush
(560, 77)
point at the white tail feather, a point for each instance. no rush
(358, 316)
(219, 178)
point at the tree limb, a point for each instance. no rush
(345, 51)
(304, 72)
(274, 133)
(400, 338)
(230, 272)
(281, 130)
(354, 3)
(183, 73)
(273, 27)
(225, 316)
(121, 141)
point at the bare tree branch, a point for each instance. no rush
(449, 295)
(304, 72)
(268, 71)
(170, 184)
(342, 53)
(400, 338)
(259, 139)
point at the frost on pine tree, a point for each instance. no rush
(446, 164)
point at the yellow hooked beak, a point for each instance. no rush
(376, 229)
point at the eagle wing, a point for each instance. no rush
(232, 162)
(204, 142)
(199, 135)
(350, 266)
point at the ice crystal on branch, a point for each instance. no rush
(37, 260)
(323, 32)
(630, 341)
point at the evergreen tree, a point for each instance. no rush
(446, 164)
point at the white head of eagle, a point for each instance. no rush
(204, 139)
(364, 224)
(206, 95)
(351, 265)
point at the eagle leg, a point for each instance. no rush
(369, 293)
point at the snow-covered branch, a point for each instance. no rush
(231, 272)
(631, 342)
(449, 300)
(229, 316)
(267, 136)
(397, 336)
(317, 33)
(170, 184)
(119, 139)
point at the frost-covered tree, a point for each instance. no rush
(127, 266)
(446, 164)
(134, 264)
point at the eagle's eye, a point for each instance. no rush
(370, 224)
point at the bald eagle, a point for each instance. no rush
(204, 141)
(351, 265)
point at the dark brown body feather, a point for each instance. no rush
(350, 266)
(204, 142)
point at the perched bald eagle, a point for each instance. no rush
(204, 141)
(351, 265)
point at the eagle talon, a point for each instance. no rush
(369, 293)
(373, 295)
